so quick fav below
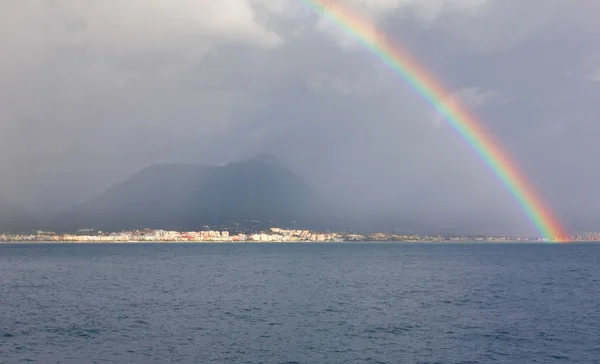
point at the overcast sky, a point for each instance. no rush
(92, 91)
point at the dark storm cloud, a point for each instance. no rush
(90, 94)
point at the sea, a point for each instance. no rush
(300, 303)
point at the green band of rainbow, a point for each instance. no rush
(423, 82)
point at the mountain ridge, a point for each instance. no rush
(188, 196)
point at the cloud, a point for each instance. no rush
(92, 80)
(379, 12)
(426, 10)
(92, 91)
(429, 11)
(472, 98)
(475, 97)
(498, 25)
(594, 75)
(592, 68)
(156, 23)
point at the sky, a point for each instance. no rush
(91, 92)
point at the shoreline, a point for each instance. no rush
(431, 242)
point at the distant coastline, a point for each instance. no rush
(273, 235)
(399, 242)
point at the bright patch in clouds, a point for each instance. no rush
(139, 23)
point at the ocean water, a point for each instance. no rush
(300, 303)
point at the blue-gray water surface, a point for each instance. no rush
(299, 303)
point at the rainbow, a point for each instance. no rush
(459, 118)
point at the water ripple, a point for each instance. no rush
(245, 303)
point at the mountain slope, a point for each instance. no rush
(181, 196)
(14, 219)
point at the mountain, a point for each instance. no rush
(267, 158)
(186, 197)
(14, 219)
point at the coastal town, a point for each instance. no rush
(272, 235)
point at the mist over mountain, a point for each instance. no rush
(267, 158)
(252, 194)
(15, 219)
(255, 193)
(185, 196)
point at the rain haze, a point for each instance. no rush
(92, 92)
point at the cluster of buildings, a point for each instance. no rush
(149, 235)
(272, 235)
(592, 236)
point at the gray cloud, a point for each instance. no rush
(592, 68)
(90, 92)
